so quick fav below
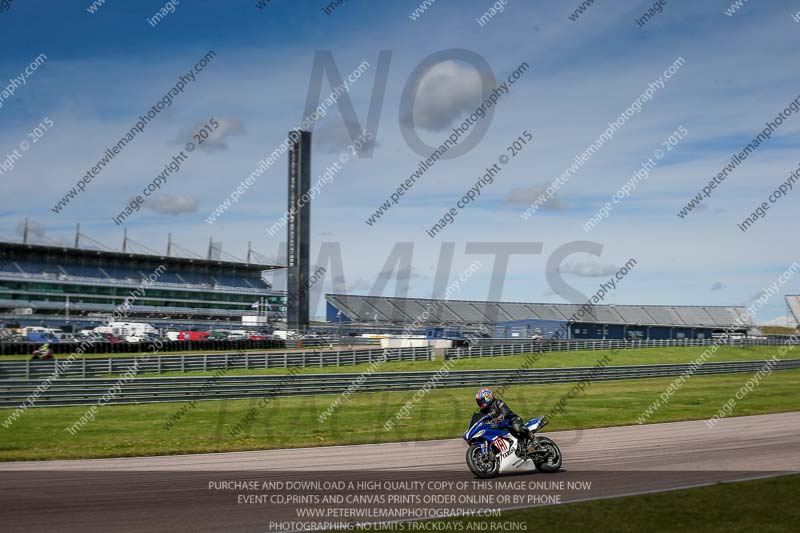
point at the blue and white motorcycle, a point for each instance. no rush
(494, 450)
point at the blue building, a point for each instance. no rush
(590, 330)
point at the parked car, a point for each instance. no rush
(219, 335)
(40, 336)
(193, 336)
(108, 337)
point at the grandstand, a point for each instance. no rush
(793, 302)
(523, 319)
(43, 284)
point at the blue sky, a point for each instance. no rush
(105, 69)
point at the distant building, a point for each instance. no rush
(45, 284)
(516, 319)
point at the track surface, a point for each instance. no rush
(173, 493)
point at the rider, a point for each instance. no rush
(43, 352)
(499, 412)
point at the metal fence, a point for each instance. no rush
(102, 347)
(160, 364)
(87, 367)
(488, 348)
(65, 392)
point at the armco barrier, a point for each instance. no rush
(64, 392)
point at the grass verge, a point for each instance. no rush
(764, 505)
(292, 422)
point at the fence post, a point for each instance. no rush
(84, 368)
(28, 369)
(303, 364)
(205, 362)
(321, 357)
(183, 363)
(285, 359)
(354, 356)
(247, 360)
(338, 358)
(159, 363)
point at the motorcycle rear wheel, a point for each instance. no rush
(479, 465)
(553, 461)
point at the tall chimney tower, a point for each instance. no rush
(299, 235)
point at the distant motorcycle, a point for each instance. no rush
(43, 353)
(494, 450)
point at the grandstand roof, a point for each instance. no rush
(793, 301)
(409, 310)
(10, 250)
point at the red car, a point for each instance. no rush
(111, 338)
(193, 336)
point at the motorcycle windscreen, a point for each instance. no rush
(475, 418)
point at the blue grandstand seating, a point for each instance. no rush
(33, 267)
(83, 271)
(131, 274)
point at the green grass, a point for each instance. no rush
(588, 358)
(290, 422)
(764, 505)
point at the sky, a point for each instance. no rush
(106, 68)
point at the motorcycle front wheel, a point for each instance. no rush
(551, 462)
(481, 465)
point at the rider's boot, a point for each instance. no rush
(531, 443)
(526, 446)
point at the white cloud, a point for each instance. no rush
(446, 93)
(588, 269)
(171, 204)
(525, 196)
(340, 285)
(784, 321)
(216, 140)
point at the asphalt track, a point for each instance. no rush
(199, 492)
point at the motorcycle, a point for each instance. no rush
(42, 354)
(494, 450)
